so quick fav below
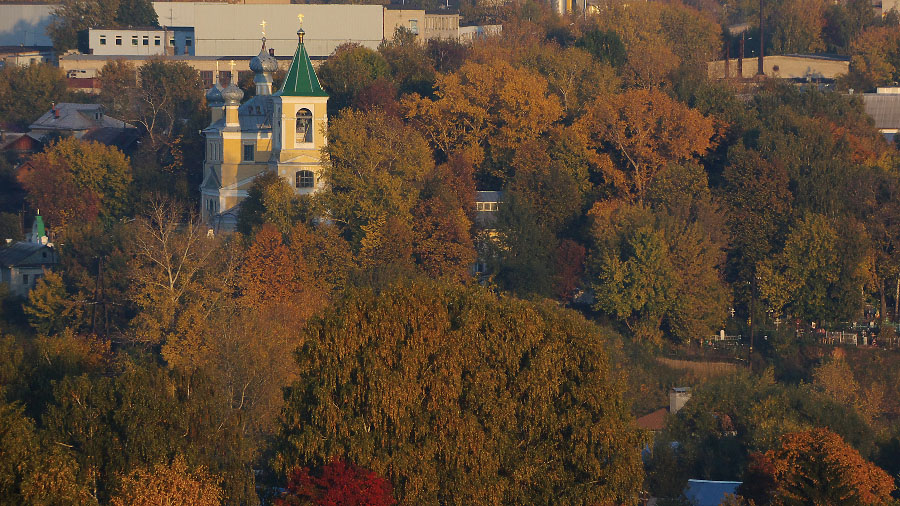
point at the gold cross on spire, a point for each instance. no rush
(231, 64)
(263, 25)
(300, 17)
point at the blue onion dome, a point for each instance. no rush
(214, 95)
(232, 94)
(263, 62)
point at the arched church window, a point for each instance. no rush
(305, 179)
(304, 125)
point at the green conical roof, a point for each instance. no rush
(301, 80)
(37, 228)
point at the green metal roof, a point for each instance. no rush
(38, 227)
(301, 80)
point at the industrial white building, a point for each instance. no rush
(142, 41)
(222, 29)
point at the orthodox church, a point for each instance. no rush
(281, 132)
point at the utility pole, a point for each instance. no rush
(762, 43)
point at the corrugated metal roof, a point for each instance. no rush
(884, 109)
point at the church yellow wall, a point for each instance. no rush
(291, 149)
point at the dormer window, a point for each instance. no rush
(304, 126)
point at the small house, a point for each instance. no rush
(23, 263)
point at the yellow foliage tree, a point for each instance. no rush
(170, 485)
(487, 109)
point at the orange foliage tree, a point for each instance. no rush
(643, 131)
(816, 467)
(268, 272)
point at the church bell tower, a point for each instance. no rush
(299, 119)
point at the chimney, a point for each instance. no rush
(678, 397)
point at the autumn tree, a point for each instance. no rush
(328, 256)
(49, 308)
(569, 260)
(374, 168)
(844, 22)
(731, 417)
(267, 272)
(51, 190)
(553, 176)
(176, 279)
(270, 200)
(818, 467)
(27, 92)
(101, 173)
(572, 75)
(509, 413)
(170, 92)
(835, 378)
(758, 207)
(642, 131)
(487, 109)
(797, 26)
(442, 239)
(447, 55)
(874, 192)
(127, 422)
(521, 247)
(874, 58)
(442, 243)
(338, 482)
(174, 485)
(34, 471)
(658, 39)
